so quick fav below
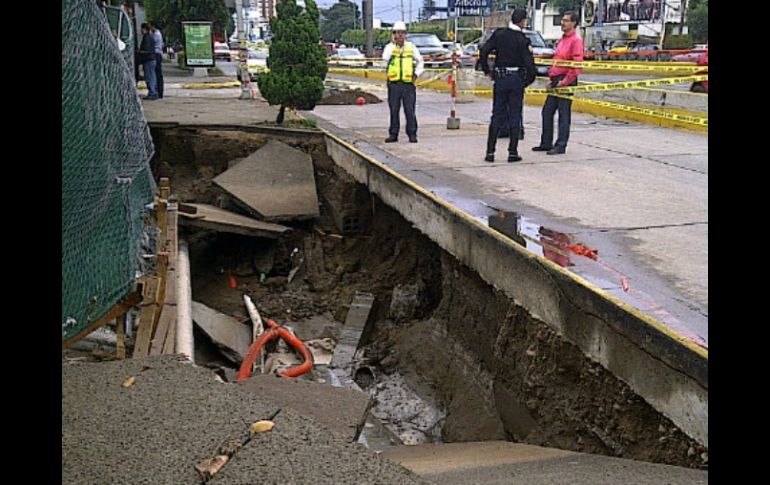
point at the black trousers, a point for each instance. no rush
(402, 93)
(507, 101)
(159, 73)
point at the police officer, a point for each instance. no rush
(405, 64)
(514, 69)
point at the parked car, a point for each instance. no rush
(693, 55)
(433, 53)
(540, 50)
(449, 45)
(620, 47)
(645, 48)
(256, 63)
(348, 57)
(701, 86)
(470, 55)
(330, 47)
(222, 51)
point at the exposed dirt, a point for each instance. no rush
(498, 372)
(347, 96)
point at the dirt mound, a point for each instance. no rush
(347, 96)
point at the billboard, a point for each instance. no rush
(614, 11)
(198, 44)
(471, 8)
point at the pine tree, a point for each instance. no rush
(297, 60)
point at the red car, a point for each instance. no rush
(701, 86)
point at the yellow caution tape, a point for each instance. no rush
(589, 88)
(621, 66)
(657, 113)
(229, 84)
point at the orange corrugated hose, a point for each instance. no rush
(273, 333)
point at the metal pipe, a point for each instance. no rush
(184, 324)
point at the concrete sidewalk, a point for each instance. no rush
(637, 194)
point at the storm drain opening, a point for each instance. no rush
(445, 356)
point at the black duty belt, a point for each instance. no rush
(505, 71)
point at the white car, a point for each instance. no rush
(348, 57)
(222, 51)
(256, 63)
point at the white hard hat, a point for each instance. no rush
(399, 26)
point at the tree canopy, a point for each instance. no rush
(169, 15)
(297, 60)
(342, 16)
(698, 20)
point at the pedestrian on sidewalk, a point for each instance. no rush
(157, 37)
(570, 48)
(146, 56)
(513, 71)
(404, 65)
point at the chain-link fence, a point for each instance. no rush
(106, 179)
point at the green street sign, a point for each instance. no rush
(198, 44)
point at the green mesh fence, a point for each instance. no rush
(106, 179)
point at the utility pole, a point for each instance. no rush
(402, 10)
(368, 21)
(239, 26)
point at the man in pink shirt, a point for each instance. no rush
(570, 48)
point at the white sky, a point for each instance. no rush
(388, 10)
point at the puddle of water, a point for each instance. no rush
(563, 250)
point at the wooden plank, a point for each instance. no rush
(120, 342)
(132, 299)
(165, 188)
(167, 314)
(169, 346)
(161, 213)
(187, 208)
(172, 238)
(216, 219)
(166, 321)
(162, 269)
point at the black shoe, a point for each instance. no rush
(150, 98)
(556, 151)
(391, 139)
(412, 139)
(541, 149)
(513, 157)
(490, 157)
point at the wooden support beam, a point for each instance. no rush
(149, 307)
(120, 342)
(121, 308)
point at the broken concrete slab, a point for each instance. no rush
(275, 183)
(341, 410)
(503, 462)
(358, 314)
(228, 334)
(210, 217)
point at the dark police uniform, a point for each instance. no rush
(514, 70)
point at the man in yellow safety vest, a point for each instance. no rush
(405, 64)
